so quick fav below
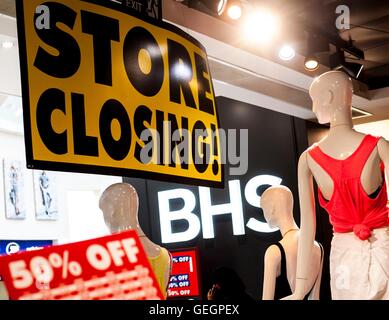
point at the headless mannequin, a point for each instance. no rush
(277, 205)
(331, 94)
(119, 203)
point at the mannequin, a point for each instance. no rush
(277, 205)
(119, 203)
(348, 168)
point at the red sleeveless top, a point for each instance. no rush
(350, 208)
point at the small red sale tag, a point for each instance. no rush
(112, 267)
(184, 278)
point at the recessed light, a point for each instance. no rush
(286, 53)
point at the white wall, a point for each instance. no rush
(78, 194)
(9, 65)
(79, 217)
(85, 218)
(379, 128)
(9, 58)
(12, 148)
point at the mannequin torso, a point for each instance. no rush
(277, 204)
(152, 250)
(273, 261)
(290, 244)
(119, 203)
(341, 143)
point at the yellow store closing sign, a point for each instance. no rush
(109, 92)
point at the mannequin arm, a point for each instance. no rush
(271, 263)
(383, 151)
(307, 228)
(168, 271)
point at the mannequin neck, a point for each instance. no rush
(341, 119)
(337, 129)
(286, 225)
(342, 124)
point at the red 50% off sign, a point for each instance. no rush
(113, 267)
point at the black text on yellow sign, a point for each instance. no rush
(110, 93)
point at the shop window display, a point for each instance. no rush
(111, 91)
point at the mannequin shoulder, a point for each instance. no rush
(303, 163)
(162, 251)
(166, 254)
(383, 149)
(272, 256)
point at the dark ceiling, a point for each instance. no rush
(7, 7)
(369, 31)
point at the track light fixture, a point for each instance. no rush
(315, 45)
(221, 5)
(338, 62)
(212, 7)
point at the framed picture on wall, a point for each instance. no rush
(14, 190)
(45, 192)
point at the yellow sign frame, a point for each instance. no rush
(63, 102)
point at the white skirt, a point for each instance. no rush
(360, 269)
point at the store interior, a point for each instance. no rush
(258, 87)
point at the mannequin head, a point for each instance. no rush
(277, 206)
(331, 94)
(119, 203)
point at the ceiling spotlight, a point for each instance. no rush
(234, 11)
(261, 26)
(311, 63)
(211, 7)
(286, 53)
(353, 69)
(7, 44)
(316, 45)
(338, 62)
